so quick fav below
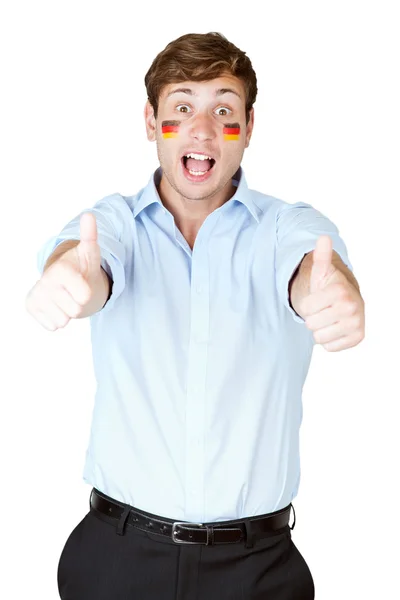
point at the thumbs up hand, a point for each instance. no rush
(334, 309)
(73, 285)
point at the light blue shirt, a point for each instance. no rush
(199, 359)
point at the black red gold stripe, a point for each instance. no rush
(169, 129)
(231, 131)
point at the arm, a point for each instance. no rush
(112, 213)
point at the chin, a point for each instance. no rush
(193, 192)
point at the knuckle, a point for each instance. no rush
(338, 287)
(63, 321)
(310, 324)
(342, 291)
(351, 307)
(43, 319)
(57, 317)
(331, 348)
(50, 326)
(360, 333)
(74, 313)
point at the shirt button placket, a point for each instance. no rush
(196, 380)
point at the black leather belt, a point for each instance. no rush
(184, 532)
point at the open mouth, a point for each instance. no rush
(197, 165)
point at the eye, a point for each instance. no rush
(225, 111)
(183, 108)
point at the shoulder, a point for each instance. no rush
(270, 207)
(117, 209)
(114, 203)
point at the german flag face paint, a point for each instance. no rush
(231, 131)
(169, 129)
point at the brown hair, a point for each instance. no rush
(200, 57)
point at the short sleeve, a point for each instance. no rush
(109, 229)
(298, 227)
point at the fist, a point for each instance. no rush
(334, 309)
(66, 289)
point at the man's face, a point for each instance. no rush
(205, 118)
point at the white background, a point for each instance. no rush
(327, 132)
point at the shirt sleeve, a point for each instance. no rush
(110, 232)
(298, 227)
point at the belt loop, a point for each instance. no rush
(294, 513)
(210, 535)
(122, 520)
(250, 536)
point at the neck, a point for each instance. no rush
(189, 213)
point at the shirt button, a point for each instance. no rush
(199, 289)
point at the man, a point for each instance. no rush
(205, 300)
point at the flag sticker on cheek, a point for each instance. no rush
(169, 129)
(231, 131)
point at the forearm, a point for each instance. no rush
(299, 286)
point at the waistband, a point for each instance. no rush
(185, 532)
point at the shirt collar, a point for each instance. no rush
(150, 194)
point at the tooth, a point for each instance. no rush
(198, 156)
(197, 172)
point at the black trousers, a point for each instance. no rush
(98, 564)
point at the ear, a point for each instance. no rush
(150, 122)
(249, 128)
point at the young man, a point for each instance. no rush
(205, 300)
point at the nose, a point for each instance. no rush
(203, 128)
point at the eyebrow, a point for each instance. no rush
(190, 92)
(227, 91)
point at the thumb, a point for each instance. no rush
(322, 263)
(88, 248)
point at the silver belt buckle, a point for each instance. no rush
(185, 524)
